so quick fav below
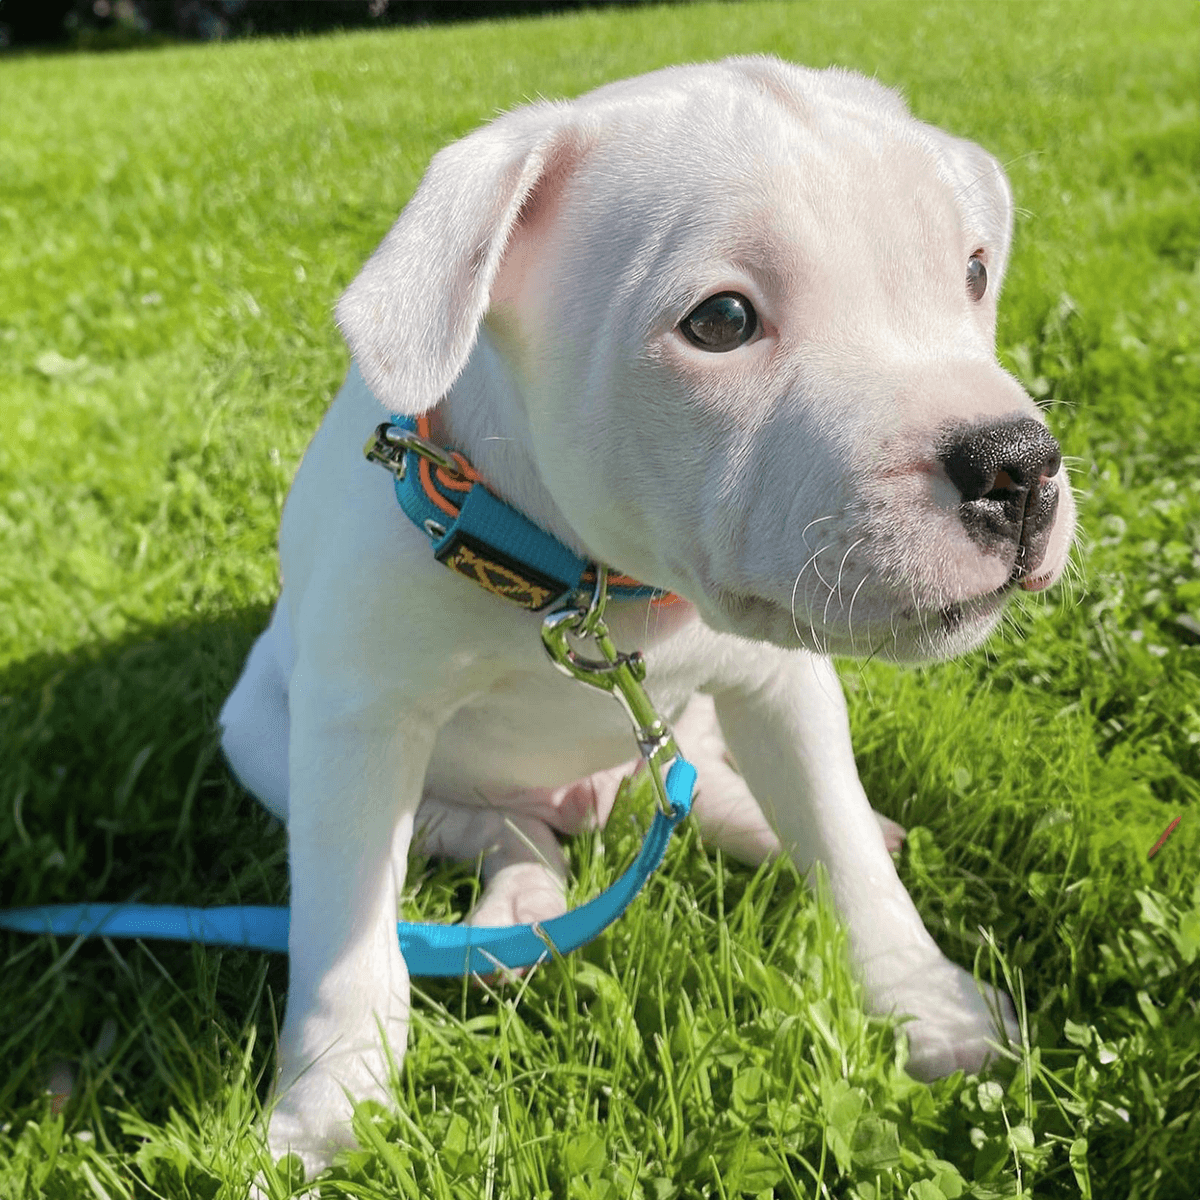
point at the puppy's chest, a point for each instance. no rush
(537, 729)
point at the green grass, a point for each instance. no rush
(175, 226)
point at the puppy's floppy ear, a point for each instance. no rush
(412, 314)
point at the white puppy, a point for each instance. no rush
(729, 329)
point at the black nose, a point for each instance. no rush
(1004, 473)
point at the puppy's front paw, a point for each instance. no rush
(314, 1133)
(954, 1027)
(312, 1110)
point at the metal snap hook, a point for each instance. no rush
(619, 674)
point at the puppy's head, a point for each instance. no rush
(749, 311)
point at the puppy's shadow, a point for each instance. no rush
(113, 788)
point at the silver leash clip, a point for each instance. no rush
(619, 674)
(389, 446)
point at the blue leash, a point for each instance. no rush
(498, 548)
(428, 949)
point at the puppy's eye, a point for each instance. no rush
(722, 322)
(976, 277)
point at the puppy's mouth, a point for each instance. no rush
(908, 633)
(956, 613)
(873, 610)
(961, 614)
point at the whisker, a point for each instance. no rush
(810, 563)
(817, 569)
(816, 521)
(850, 615)
(825, 610)
(842, 566)
(792, 606)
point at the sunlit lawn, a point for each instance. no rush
(175, 226)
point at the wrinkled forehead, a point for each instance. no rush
(697, 183)
(742, 112)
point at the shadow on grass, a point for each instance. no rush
(112, 787)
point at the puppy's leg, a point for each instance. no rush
(356, 771)
(525, 876)
(524, 869)
(727, 813)
(254, 719)
(893, 832)
(792, 743)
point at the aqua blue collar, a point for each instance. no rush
(474, 532)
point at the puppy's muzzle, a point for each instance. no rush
(1004, 473)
